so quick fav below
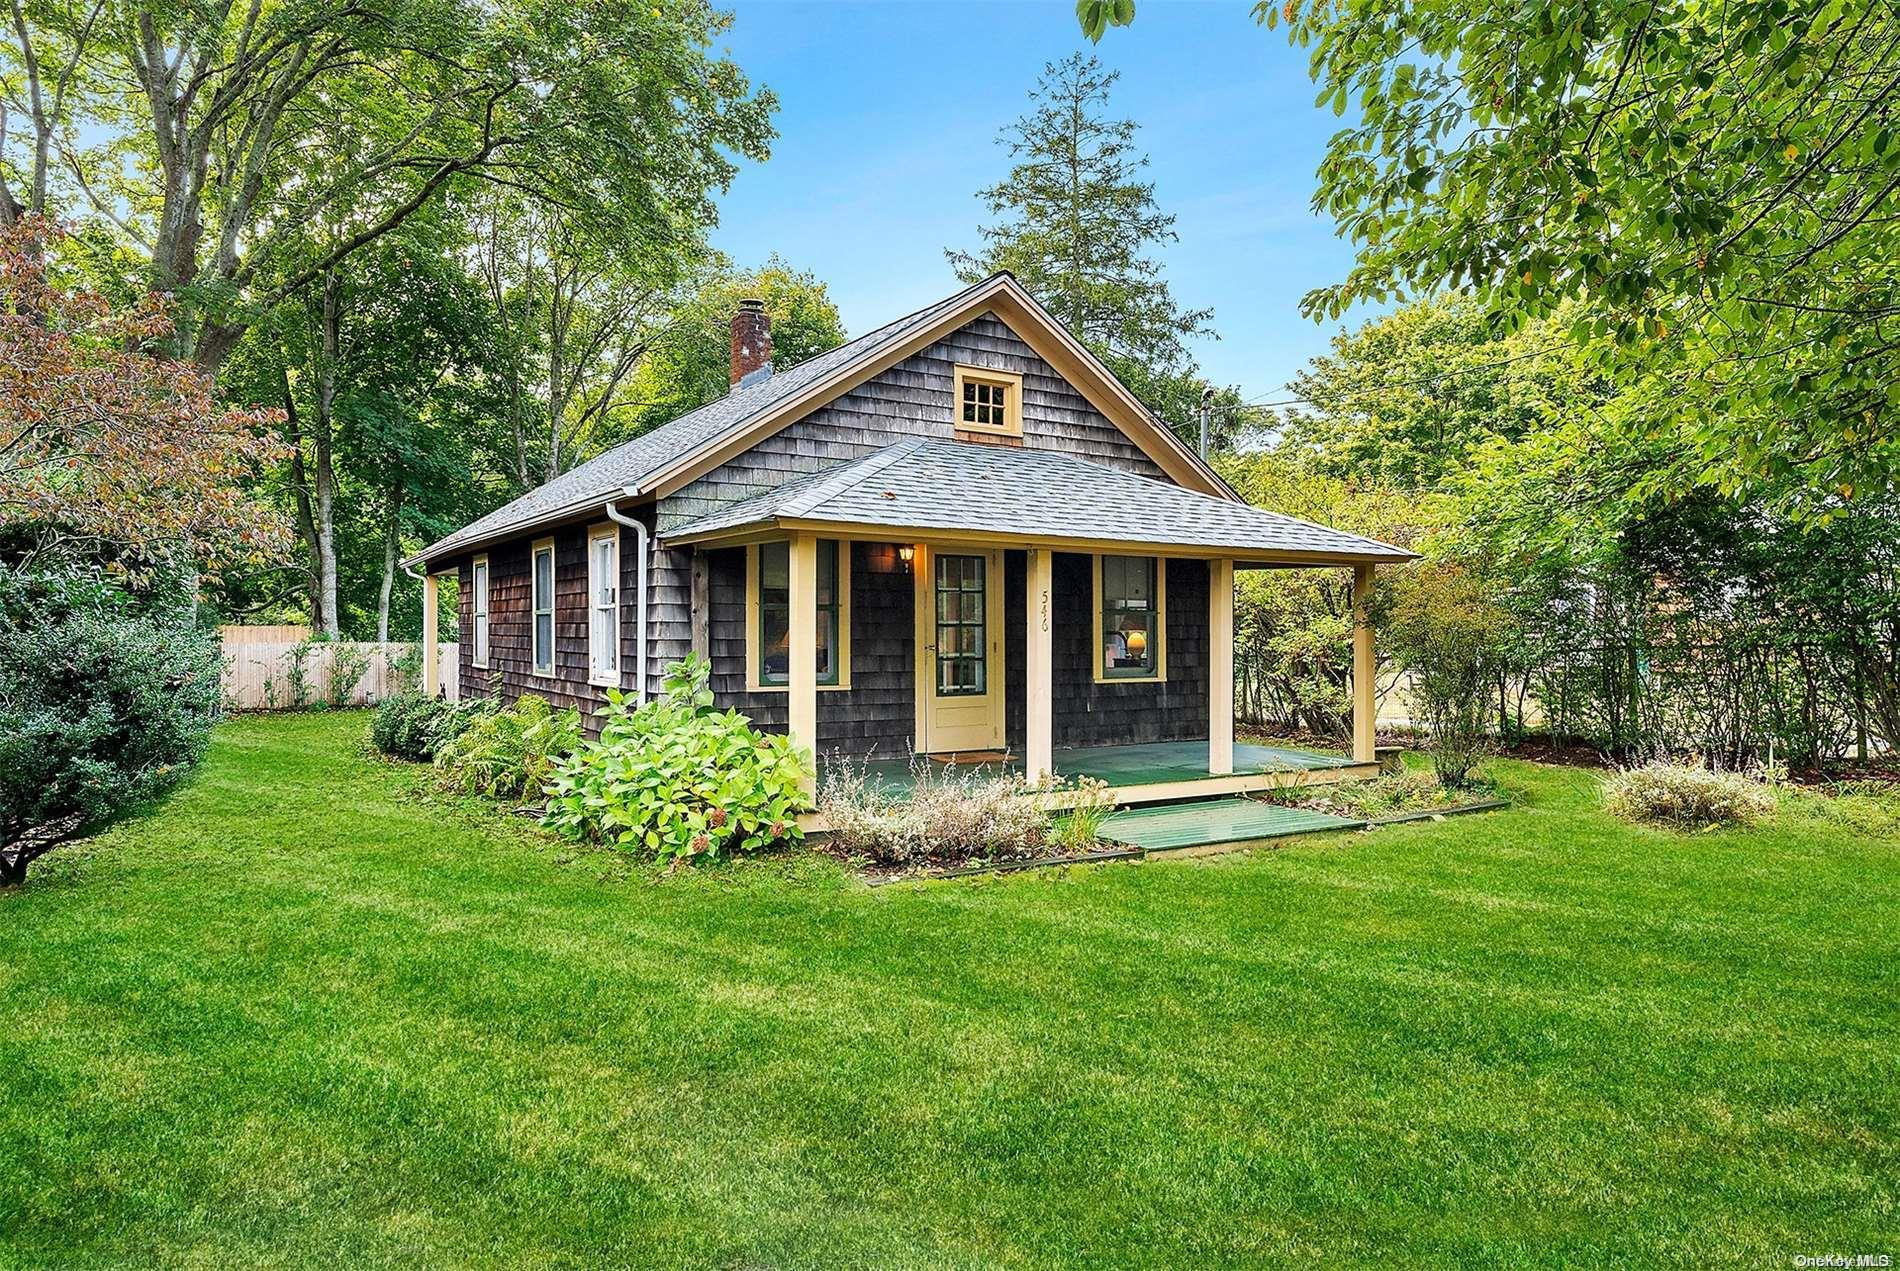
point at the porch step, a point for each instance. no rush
(1170, 827)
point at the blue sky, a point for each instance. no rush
(888, 119)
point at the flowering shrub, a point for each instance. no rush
(678, 779)
(507, 754)
(1687, 798)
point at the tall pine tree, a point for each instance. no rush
(1076, 227)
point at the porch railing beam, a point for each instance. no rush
(1220, 667)
(1039, 668)
(801, 714)
(1364, 667)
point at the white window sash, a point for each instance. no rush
(603, 600)
(542, 604)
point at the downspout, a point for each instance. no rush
(640, 602)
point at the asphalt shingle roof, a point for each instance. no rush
(958, 486)
(629, 463)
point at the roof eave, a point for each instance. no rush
(770, 526)
(517, 529)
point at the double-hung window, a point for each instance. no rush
(478, 611)
(769, 624)
(1129, 595)
(541, 585)
(603, 605)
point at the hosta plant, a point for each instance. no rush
(679, 780)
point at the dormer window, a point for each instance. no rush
(987, 402)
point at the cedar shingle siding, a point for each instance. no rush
(875, 717)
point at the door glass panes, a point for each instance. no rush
(1128, 615)
(962, 663)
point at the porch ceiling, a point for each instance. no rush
(925, 487)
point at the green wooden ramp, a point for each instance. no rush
(1173, 826)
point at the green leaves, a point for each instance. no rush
(678, 779)
(1689, 176)
(1096, 16)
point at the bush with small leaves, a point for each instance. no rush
(1686, 798)
(413, 726)
(678, 779)
(102, 709)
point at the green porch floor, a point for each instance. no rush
(1178, 825)
(1144, 764)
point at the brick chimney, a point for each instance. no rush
(751, 340)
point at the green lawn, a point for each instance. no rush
(305, 1014)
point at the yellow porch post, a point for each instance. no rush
(431, 647)
(1220, 667)
(1364, 738)
(801, 721)
(1038, 671)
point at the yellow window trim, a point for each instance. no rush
(1012, 400)
(554, 617)
(603, 530)
(1160, 673)
(482, 594)
(752, 683)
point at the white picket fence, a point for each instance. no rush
(279, 674)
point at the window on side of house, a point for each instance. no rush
(769, 575)
(1128, 594)
(478, 611)
(541, 584)
(987, 401)
(603, 605)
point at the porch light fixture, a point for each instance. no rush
(905, 552)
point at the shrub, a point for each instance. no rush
(507, 753)
(101, 711)
(1444, 627)
(348, 664)
(947, 815)
(678, 779)
(412, 726)
(1687, 798)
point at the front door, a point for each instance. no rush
(960, 658)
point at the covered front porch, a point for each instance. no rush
(944, 602)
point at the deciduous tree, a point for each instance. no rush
(106, 444)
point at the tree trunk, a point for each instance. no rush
(306, 513)
(13, 869)
(324, 439)
(392, 551)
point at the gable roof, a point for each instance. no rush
(660, 461)
(924, 484)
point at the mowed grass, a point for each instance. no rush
(308, 1014)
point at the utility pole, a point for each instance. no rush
(1207, 402)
